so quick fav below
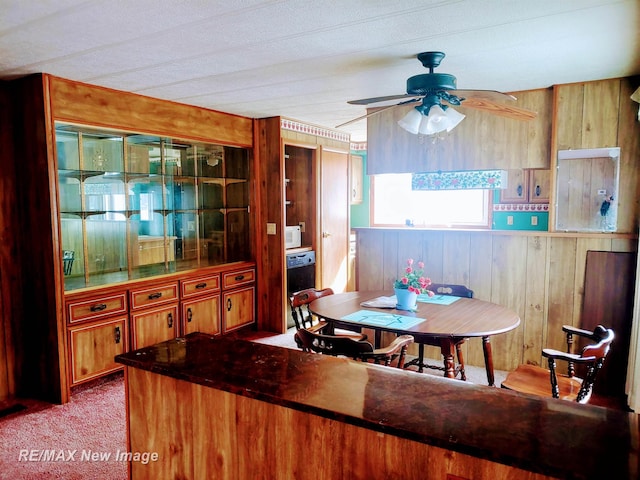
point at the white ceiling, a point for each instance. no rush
(304, 59)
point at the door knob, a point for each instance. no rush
(326, 234)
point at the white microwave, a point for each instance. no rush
(292, 236)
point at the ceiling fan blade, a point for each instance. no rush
(491, 95)
(380, 110)
(367, 101)
(508, 111)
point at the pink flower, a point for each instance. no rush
(420, 265)
(408, 270)
(405, 280)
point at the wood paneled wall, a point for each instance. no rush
(8, 272)
(602, 114)
(471, 145)
(539, 275)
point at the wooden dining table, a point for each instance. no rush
(445, 324)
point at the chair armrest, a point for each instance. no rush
(577, 331)
(568, 357)
(396, 345)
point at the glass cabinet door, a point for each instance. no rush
(133, 206)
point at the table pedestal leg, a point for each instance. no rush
(448, 351)
(488, 360)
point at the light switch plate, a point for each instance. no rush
(271, 228)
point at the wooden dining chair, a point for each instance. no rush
(341, 345)
(443, 289)
(548, 383)
(303, 318)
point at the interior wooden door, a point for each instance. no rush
(334, 220)
(608, 300)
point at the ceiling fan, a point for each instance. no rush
(436, 92)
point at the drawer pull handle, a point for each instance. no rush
(170, 320)
(117, 334)
(239, 277)
(98, 307)
(201, 285)
(189, 314)
(153, 296)
(537, 190)
(519, 190)
(229, 305)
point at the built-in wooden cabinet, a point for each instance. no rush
(104, 320)
(238, 300)
(539, 185)
(154, 314)
(97, 330)
(135, 206)
(113, 192)
(200, 305)
(93, 346)
(527, 186)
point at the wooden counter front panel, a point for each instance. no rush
(201, 432)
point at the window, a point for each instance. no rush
(395, 203)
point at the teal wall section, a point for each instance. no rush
(360, 211)
(521, 221)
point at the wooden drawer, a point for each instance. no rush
(237, 278)
(157, 295)
(97, 307)
(198, 286)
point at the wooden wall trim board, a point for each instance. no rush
(541, 276)
(271, 256)
(81, 103)
(38, 326)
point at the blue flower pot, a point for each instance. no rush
(405, 299)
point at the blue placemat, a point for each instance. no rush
(383, 319)
(437, 299)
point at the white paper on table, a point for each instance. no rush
(381, 302)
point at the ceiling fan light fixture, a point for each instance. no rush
(411, 121)
(430, 119)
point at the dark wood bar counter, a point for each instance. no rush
(228, 408)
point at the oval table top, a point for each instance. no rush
(466, 317)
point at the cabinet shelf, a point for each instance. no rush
(151, 187)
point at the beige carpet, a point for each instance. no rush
(47, 441)
(475, 374)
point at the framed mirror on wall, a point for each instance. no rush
(587, 190)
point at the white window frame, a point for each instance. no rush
(432, 200)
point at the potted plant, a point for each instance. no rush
(410, 285)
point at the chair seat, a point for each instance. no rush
(535, 380)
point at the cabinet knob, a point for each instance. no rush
(153, 296)
(201, 285)
(519, 190)
(170, 320)
(116, 334)
(189, 314)
(229, 305)
(537, 190)
(326, 234)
